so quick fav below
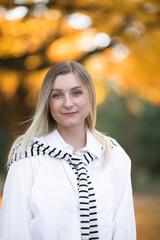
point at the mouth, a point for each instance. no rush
(69, 113)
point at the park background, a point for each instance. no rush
(118, 41)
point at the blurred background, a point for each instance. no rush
(118, 41)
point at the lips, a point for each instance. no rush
(69, 113)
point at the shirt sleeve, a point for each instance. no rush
(15, 211)
(124, 227)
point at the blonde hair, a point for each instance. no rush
(43, 123)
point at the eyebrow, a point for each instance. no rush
(56, 89)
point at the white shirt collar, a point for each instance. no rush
(54, 139)
(93, 145)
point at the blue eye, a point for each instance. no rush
(76, 93)
(56, 95)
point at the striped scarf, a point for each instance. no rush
(87, 200)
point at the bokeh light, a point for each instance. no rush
(16, 13)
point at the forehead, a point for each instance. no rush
(68, 80)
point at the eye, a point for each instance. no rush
(56, 95)
(77, 93)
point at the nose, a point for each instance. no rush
(68, 102)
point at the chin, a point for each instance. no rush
(70, 124)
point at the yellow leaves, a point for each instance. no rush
(32, 84)
(19, 47)
(26, 36)
(34, 79)
(150, 93)
(70, 47)
(100, 93)
(12, 47)
(48, 35)
(14, 29)
(64, 49)
(9, 83)
(33, 61)
(97, 65)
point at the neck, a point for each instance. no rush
(76, 137)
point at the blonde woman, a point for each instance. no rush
(66, 180)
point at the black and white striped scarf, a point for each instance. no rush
(87, 200)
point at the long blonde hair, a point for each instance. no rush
(43, 123)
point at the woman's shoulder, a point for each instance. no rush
(22, 152)
(118, 157)
(25, 165)
(112, 142)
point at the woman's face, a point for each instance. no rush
(68, 104)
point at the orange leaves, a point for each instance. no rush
(64, 49)
(71, 47)
(26, 36)
(100, 93)
(9, 83)
(46, 35)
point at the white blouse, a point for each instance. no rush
(40, 197)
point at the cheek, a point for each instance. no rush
(54, 105)
(84, 104)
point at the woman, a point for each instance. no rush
(66, 180)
